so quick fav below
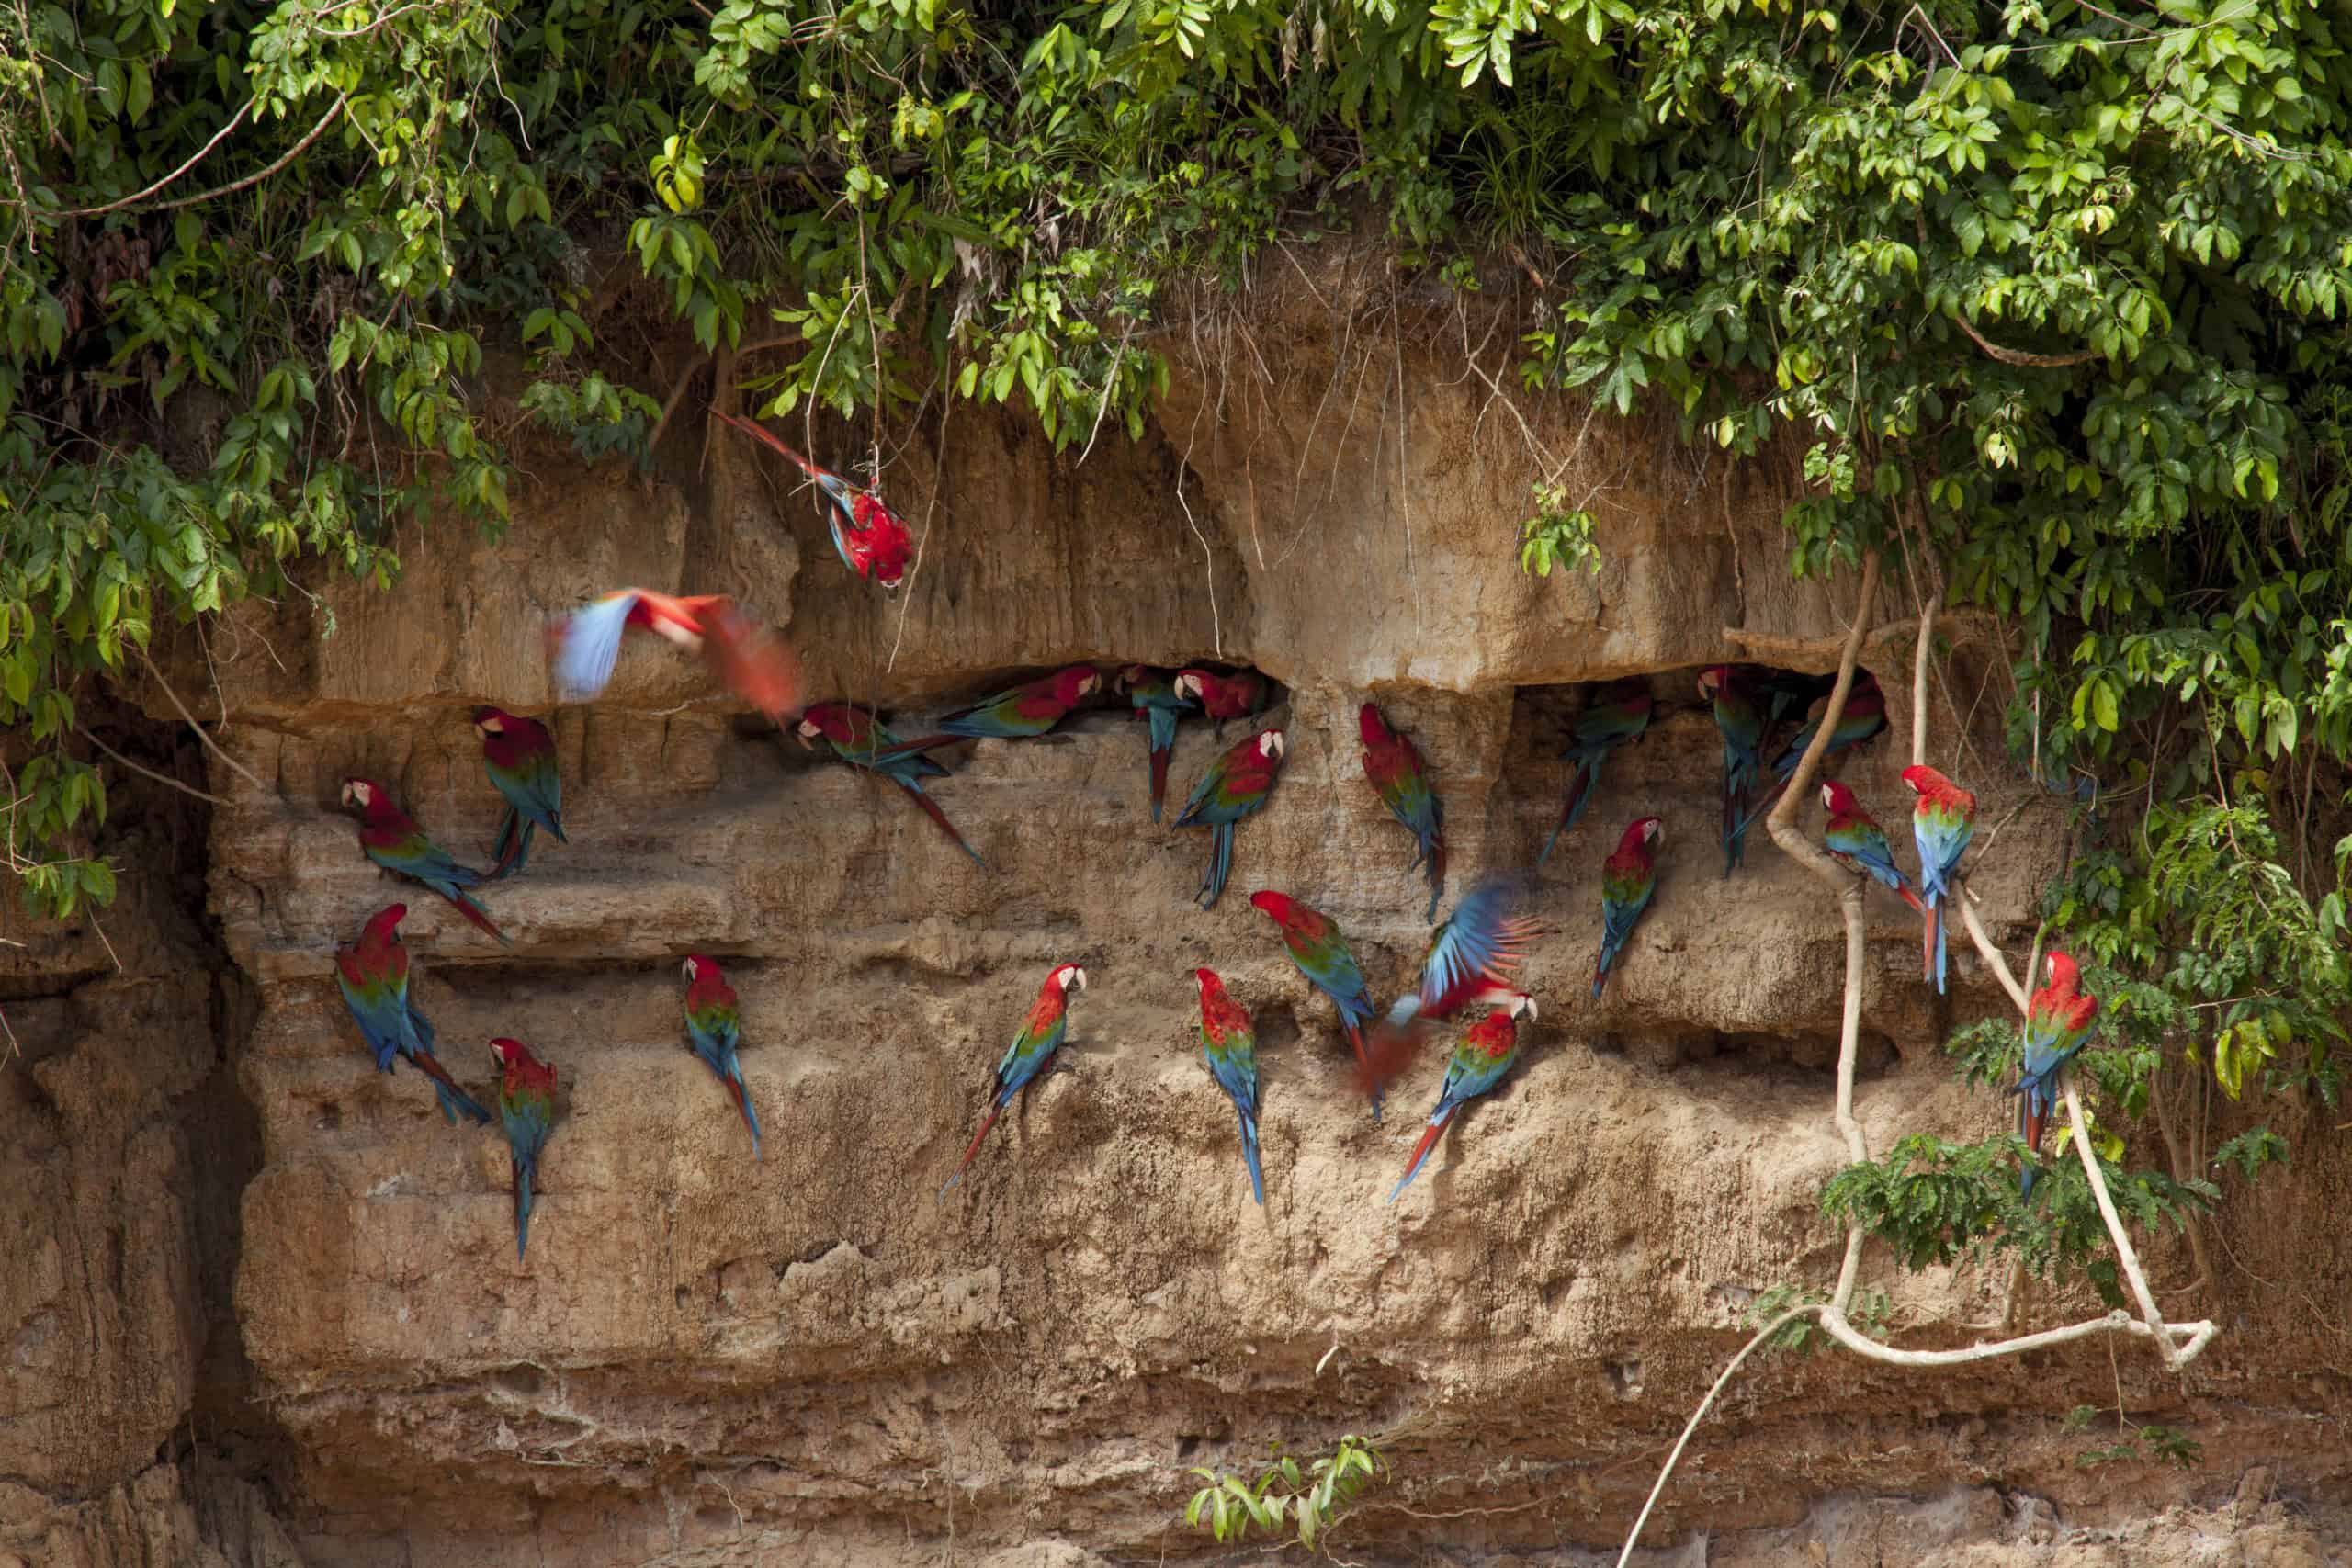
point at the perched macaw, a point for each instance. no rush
(871, 539)
(861, 740)
(1599, 730)
(1031, 1049)
(519, 756)
(1224, 696)
(1236, 785)
(1792, 692)
(1942, 824)
(1478, 1065)
(393, 840)
(1863, 716)
(1628, 878)
(526, 1104)
(373, 972)
(713, 1029)
(1392, 764)
(1322, 956)
(1017, 714)
(1152, 692)
(1230, 1047)
(2057, 1025)
(1743, 731)
(1858, 844)
(753, 662)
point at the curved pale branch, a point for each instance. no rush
(2178, 1343)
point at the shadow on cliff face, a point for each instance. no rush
(1700, 919)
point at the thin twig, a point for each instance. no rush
(149, 772)
(198, 157)
(1700, 1415)
(248, 773)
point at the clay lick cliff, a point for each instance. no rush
(266, 1305)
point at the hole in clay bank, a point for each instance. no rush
(1105, 708)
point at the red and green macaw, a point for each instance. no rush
(1858, 844)
(1862, 718)
(1628, 878)
(373, 972)
(1040, 1037)
(1474, 955)
(1392, 764)
(519, 755)
(1230, 1046)
(1017, 714)
(863, 741)
(527, 1105)
(1321, 954)
(1942, 824)
(1223, 696)
(871, 539)
(393, 840)
(713, 1029)
(753, 662)
(1478, 1065)
(1743, 731)
(1152, 692)
(1600, 730)
(2057, 1026)
(1236, 785)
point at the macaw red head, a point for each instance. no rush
(1710, 681)
(1270, 745)
(1278, 905)
(1836, 799)
(364, 794)
(1372, 727)
(1078, 682)
(1923, 780)
(827, 720)
(2059, 969)
(1643, 833)
(1194, 684)
(1066, 977)
(508, 1053)
(384, 924)
(696, 967)
(490, 721)
(1522, 1008)
(1212, 988)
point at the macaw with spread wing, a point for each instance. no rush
(871, 539)
(753, 662)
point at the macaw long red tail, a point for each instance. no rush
(454, 1101)
(1580, 776)
(931, 809)
(477, 915)
(1437, 1127)
(968, 1153)
(1911, 898)
(1368, 1078)
(742, 1098)
(760, 433)
(514, 847)
(521, 1173)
